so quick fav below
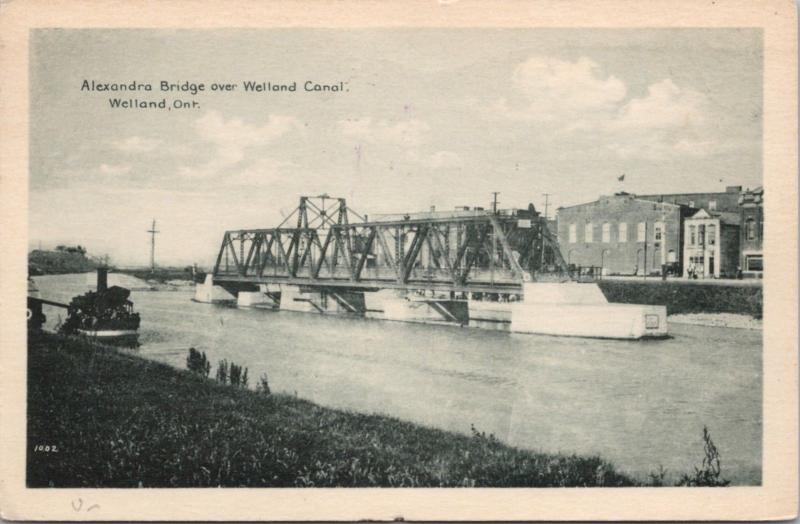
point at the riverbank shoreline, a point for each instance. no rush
(155, 426)
(724, 320)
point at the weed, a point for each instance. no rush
(197, 362)
(263, 385)
(238, 376)
(222, 371)
(658, 478)
(709, 474)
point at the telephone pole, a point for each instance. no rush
(153, 231)
(546, 203)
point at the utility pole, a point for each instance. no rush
(494, 237)
(644, 262)
(153, 231)
(546, 203)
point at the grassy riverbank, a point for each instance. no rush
(687, 297)
(119, 420)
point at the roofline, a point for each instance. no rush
(693, 194)
(633, 197)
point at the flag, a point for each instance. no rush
(621, 178)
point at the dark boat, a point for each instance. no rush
(105, 314)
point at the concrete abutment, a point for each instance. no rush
(565, 309)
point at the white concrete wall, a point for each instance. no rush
(255, 299)
(626, 321)
(562, 293)
(209, 293)
(293, 300)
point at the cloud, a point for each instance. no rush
(114, 169)
(667, 121)
(551, 89)
(406, 133)
(665, 106)
(136, 144)
(213, 127)
(230, 139)
(575, 101)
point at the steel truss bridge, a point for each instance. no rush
(331, 246)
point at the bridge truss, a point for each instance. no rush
(329, 245)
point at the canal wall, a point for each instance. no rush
(687, 297)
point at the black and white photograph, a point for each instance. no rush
(396, 257)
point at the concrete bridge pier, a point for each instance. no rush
(581, 310)
(209, 293)
(263, 298)
(315, 300)
(402, 306)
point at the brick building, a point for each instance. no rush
(722, 202)
(751, 204)
(623, 234)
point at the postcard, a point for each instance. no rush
(456, 260)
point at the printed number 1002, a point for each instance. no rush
(45, 448)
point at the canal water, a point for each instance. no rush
(638, 404)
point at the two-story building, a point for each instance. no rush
(711, 245)
(751, 204)
(623, 234)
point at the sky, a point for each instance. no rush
(428, 117)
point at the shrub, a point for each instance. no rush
(235, 374)
(657, 478)
(263, 385)
(708, 475)
(197, 362)
(238, 376)
(222, 372)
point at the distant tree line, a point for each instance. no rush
(63, 259)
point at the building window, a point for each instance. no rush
(692, 235)
(573, 233)
(712, 234)
(696, 265)
(701, 235)
(750, 229)
(641, 233)
(691, 203)
(658, 231)
(712, 205)
(754, 263)
(623, 232)
(606, 233)
(589, 233)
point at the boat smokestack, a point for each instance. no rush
(102, 279)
